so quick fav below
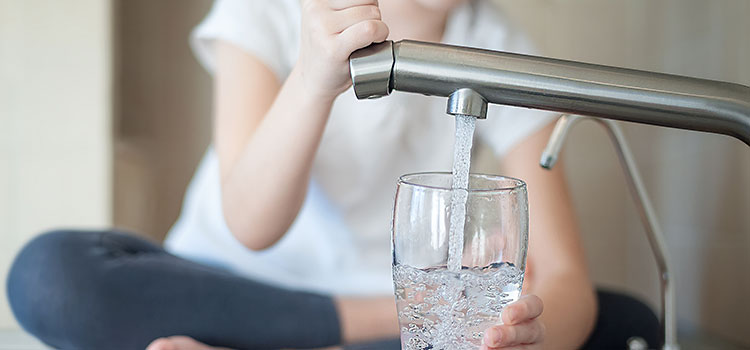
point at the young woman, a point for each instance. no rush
(291, 204)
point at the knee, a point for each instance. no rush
(41, 281)
(33, 267)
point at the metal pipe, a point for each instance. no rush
(643, 204)
(552, 84)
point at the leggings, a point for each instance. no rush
(111, 290)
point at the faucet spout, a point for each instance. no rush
(467, 102)
(554, 85)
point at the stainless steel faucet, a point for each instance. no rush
(471, 78)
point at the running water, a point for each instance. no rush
(450, 307)
(465, 126)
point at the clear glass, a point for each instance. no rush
(438, 308)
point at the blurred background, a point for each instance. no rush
(104, 114)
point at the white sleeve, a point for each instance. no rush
(507, 126)
(266, 29)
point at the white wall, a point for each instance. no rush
(55, 139)
(163, 112)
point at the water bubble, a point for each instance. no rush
(458, 311)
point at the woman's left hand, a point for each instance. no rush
(521, 328)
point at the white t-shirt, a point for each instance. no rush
(340, 240)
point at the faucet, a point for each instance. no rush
(654, 233)
(472, 78)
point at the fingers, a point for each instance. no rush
(363, 34)
(348, 17)
(503, 336)
(332, 30)
(344, 4)
(521, 328)
(527, 308)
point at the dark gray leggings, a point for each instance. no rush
(107, 290)
(110, 290)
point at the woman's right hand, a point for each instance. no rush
(331, 31)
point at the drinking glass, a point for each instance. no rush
(450, 310)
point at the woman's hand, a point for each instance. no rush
(521, 328)
(331, 31)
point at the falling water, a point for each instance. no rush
(465, 126)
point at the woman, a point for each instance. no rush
(291, 204)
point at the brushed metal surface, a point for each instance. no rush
(467, 102)
(371, 70)
(562, 86)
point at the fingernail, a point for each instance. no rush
(492, 337)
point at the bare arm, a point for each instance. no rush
(265, 137)
(556, 266)
(267, 133)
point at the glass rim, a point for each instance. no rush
(406, 180)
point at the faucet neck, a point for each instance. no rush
(555, 85)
